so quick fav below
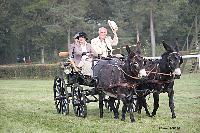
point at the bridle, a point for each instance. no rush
(176, 54)
(159, 73)
(132, 65)
(156, 67)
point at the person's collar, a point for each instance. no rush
(84, 44)
(102, 40)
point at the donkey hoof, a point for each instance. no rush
(153, 114)
(132, 120)
(116, 117)
(122, 119)
(148, 114)
(173, 116)
(139, 111)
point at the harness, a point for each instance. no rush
(157, 73)
(126, 73)
(136, 92)
(157, 78)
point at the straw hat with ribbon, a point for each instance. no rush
(113, 25)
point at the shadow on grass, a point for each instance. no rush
(93, 114)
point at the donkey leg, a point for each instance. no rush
(130, 107)
(113, 108)
(117, 104)
(144, 104)
(156, 103)
(124, 109)
(111, 103)
(101, 96)
(171, 103)
(106, 103)
(139, 105)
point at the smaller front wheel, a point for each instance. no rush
(79, 101)
(61, 96)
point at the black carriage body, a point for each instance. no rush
(97, 65)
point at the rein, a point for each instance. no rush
(159, 82)
(145, 92)
(166, 74)
(159, 73)
(125, 72)
(171, 74)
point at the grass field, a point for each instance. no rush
(28, 106)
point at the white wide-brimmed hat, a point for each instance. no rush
(113, 25)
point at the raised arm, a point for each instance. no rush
(115, 39)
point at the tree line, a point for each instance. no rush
(38, 29)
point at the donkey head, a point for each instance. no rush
(172, 59)
(135, 63)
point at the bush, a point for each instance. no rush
(30, 71)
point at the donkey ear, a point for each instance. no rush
(128, 49)
(167, 47)
(176, 45)
(176, 48)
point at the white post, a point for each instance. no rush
(42, 55)
(199, 60)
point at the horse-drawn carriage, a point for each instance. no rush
(70, 86)
(110, 76)
(124, 79)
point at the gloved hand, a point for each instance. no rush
(84, 53)
(84, 57)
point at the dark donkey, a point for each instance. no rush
(161, 74)
(118, 79)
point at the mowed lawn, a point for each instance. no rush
(28, 106)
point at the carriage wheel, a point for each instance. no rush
(61, 96)
(79, 101)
